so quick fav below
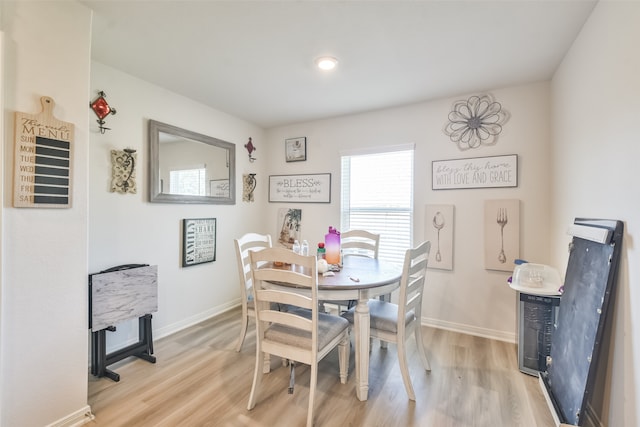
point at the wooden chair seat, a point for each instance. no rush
(329, 327)
(383, 316)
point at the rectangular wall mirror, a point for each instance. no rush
(188, 167)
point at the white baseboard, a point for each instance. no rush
(178, 326)
(471, 330)
(194, 320)
(76, 419)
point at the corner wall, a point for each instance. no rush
(127, 228)
(596, 106)
(43, 370)
(469, 298)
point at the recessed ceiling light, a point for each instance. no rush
(326, 62)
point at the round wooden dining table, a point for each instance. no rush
(360, 278)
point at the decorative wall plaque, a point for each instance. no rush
(43, 155)
(198, 241)
(123, 163)
(475, 122)
(501, 234)
(477, 172)
(249, 183)
(313, 188)
(296, 149)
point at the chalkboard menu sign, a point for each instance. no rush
(575, 345)
(42, 168)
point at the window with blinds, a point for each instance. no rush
(188, 182)
(377, 196)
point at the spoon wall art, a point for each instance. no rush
(439, 222)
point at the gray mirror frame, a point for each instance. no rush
(155, 196)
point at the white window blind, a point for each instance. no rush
(377, 196)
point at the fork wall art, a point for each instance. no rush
(439, 230)
(501, 234)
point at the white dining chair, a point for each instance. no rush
(394, 323)
(304, 334)
(246, 243)
(360, 242)
(355, 243)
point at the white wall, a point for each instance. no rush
(127, 228)
(596, 108)
(44, 255)
(2, 154)
(469, 298)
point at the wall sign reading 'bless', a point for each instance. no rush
(42, 168)
(314, 188)
(478, 172)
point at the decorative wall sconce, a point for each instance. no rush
(475, 122)
(102, 109)
(250, 148)
(249, 183)
(123, 164)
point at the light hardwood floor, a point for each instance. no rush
(200, 380)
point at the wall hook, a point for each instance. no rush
(101, 107)
(250, 148)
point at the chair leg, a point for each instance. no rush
(421, 350)
(312, 392)
(385, 298)
(344, 349)
(266, 363)
(402, 358)
(257, 380)
(292, 376)
(243, 333)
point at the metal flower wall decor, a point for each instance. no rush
(475, 122)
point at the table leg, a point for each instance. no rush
(361, 328)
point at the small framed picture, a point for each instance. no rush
(198, 241)
(295, 149)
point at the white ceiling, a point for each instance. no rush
(255, 59)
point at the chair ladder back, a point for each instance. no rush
(286, 318)
(301, 272)
(413, 280)
(360, 242)
(298, 270)
(243, 245)
(246, 243)
(282, 297)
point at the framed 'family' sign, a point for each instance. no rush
(478, 172)
(314, 188)
(198, 241)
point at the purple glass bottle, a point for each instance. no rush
(332, 246)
